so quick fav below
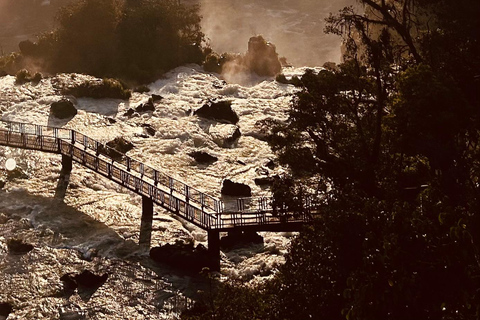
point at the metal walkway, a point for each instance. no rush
(206, 212)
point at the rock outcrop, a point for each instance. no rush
(202, 157)
(17, 246)
(220, 111)
(225, 135)
(184, 256)
(5, 309)
(262, 57)
(63, 109)
(235, 189)
(117, 147)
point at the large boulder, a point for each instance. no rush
(235, 189)
(202, 157)
(147, 106)
(262, 57)
(220, 111)
(184, 256)
(63, 109)
(88, 279)
(17, 246)
(117, 147)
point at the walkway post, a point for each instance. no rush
(66, 164)
(146, 222)
(64, 178)
(214, 248)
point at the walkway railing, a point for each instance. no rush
(191, 204)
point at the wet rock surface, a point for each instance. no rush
(17, 246)
(183, 255)
(235, 189)
(220, 111)
(202, 157)
(117, 147)
(63, 109)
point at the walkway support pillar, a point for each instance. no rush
(64, 178)
(66, 164)
(214, 249)
(146, 222)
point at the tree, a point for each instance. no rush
(389, 145)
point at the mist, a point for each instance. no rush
(294, 26)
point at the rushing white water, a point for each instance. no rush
(99, 215)
(96, 227)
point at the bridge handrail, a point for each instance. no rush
(131, 164)
(247, 211)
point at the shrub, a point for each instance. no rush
(106, 88)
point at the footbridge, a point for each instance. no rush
(154, 186)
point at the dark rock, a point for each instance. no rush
(225, 135)
(3, 73)
(234, 137)
(156, 97)
(147, 106)
(219, 111)
(184, 256)
(230, 188)
(69, 283)
(16, 173)
(63, 109)
(111, 120)
(129, 112)
(262, 57)
(241, 162)
(202, 157)
(88, 279)
(264, 181)
(2, 184)
(270, 164)
(17, 246)
(239, 238)
(116, 148)
(5, 309)
(148, 129)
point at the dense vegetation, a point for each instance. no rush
(133, 40)
(388, 143)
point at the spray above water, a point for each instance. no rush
(10, 164)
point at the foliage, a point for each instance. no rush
(106, 88)
(233, 300)
(134, 40)
(23, 76)
(389, 143)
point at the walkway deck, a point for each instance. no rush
(205, 211)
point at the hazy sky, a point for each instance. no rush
(294, 26)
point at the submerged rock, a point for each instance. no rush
(63, 109)
(225, 135)
(202, 157)
(219, 111)
(156, 97)
(17, 246)
(235, 189)
(148, 129)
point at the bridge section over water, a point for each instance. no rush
(155, 187)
